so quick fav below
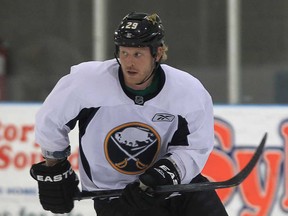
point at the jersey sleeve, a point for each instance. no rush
(51, 129)
(192, 154)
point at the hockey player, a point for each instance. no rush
(142, 124)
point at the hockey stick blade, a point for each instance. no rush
(234, 181)
(202, 186)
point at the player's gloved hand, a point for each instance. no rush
(163, 172)
(136, 198)
(57, 186)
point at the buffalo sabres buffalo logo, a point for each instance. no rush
(131, 148)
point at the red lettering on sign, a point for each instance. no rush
(19, 160)
(258, 189)
(223, 133)
(26, 130)
(284, 134)
(4, 159)
(12, 132)
(220, 167)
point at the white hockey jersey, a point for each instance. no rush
(122, 134)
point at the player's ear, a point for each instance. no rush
(159, 54)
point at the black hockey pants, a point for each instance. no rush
(202, 203)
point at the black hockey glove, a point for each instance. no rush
(162, 172)
(57, 186)
(136, 198)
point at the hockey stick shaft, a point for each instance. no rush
(202, 186)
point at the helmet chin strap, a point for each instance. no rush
(116, 57)
(150, 75)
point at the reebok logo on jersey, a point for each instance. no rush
(163, 117)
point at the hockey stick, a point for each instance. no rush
(202, 186)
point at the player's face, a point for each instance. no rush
(137, 64)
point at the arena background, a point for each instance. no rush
(40, 40)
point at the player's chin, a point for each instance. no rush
(132, 77)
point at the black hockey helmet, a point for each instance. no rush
(140, 30)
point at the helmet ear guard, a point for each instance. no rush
(140, 30)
